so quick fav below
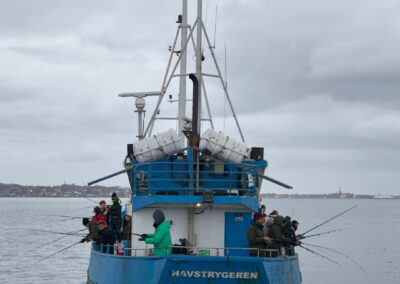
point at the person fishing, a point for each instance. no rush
(93, 228)
(115, 216)
(161, 239)
(275, 233)
(106, 237)
(255, 236)
(269, 221)
(289, 231)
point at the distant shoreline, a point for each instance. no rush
(77, 191)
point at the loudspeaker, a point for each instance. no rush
(257, 153)
(130, 150)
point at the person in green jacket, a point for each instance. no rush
(161, 239)
(93, 228)
(255, 236)
(275, 233)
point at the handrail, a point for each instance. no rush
(178, 176)
(226, 250)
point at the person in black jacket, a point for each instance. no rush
(289, 231)
(107, 237)
(115, 216)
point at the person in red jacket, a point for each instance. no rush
(104, 210)
(98, 216)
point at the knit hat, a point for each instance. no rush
(257, 216)
(102, 202)
(114, 194)
(85, 221)
(158, 217)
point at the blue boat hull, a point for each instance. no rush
(106, 268)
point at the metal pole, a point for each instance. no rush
(140, 124)
(182, 79)
(223, 84)
(191, 227)
(204, 90)
(199, 57)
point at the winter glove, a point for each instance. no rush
(84, 240)
(144, 236)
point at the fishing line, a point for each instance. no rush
(339, 252)
(331, 260)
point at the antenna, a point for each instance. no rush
(226, 86)
(215, 26)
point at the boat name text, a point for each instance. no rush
(214, 274)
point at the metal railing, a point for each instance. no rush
(188, 178)
(190, 251)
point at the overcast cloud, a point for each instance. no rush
(314, 82)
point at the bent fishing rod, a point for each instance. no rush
(330, 219)
(66, 216)
(316, 253)
(338, 252)
(324, 233)
(72, 233)
(59, 233)
(54, 253)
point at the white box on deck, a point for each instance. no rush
(222, 146)
(158, 146)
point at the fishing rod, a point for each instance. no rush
(59, 233)
(330, 219)
(54, 253)
(331, 260)
(94, 201)
(81, 208)
(65, 216)
(62, 237)
(324, 233)
(339, 252)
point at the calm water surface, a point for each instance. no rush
(371, 235)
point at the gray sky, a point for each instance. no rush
(314, 82)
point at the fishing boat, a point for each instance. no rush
(207, 184)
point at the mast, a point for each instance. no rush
(182, 77)
(199, 57)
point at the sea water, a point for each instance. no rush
(371, 235)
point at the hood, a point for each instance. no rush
(158, 217)
(270, 221)
(279, 220)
